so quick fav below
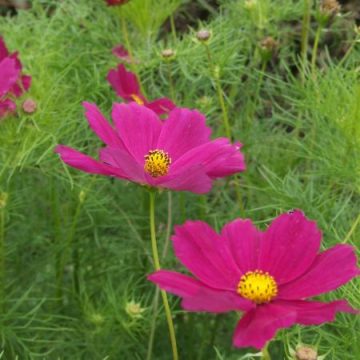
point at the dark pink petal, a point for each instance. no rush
(101, 127)
(192, 178)
(316, 312)
(206, 255)
(258, 326)
(85, 163)
(26, 82)
(6, 107)
(120, 52)
(120, 159)
(243, 239)
(124, 83)
(138, 128)
(197, 296)
(183, 130)
(219, 157)
(161, 106)
(331, 269)
(9, 74)
(289, 246)
(116, 2)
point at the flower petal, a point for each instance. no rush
(138, 128)
(101, 127)
(161, 106)
(183, 130)
(289, 246)
(124, 83)
(7, 107)
(197, 296)
(260, 325)
(9, 75)
(192, 178)
(206, 255)
(121, 160)
(243, 239)
(331, 269)
(219, 158)
(85, 163)
(316, 312)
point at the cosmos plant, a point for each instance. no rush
(270, 276)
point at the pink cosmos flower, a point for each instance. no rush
(116, 2)
(126, 85)
(120, 52)
(12, 82)
(177, 154)
(269, 275)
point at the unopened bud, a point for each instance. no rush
(134, 309)
(203, 35)
(82, 195)
(168, 54)
(250, 4)
(306, 353)
(29, 106)
(330, 7)
(268, 47)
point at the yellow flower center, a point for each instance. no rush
(257, 286)
(137, 99)
(157, 163)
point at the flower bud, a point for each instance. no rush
(268, 47)
(250, 4)
(82, 195)
(134, 309)
(327, 11)
(29, 106)
(203, 35)
(305, 353)
(168, 54)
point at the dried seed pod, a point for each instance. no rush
(29, 106)
(306, 353)
(203, 35)
(168, 54)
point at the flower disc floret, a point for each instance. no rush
(257, 286)
(157, 163)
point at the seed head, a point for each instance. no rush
(330, 8)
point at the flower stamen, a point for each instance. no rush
(157, 163)
(257, 286)
(137, 99)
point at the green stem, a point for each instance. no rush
(219, 92)
(352, 229)
(157, 268)
(315, 49)
(305, 35)
(349, 51)
(171, 82)
(265, 355)
(173, 28)
(2, 255)
(153, 324)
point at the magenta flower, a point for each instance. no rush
(126, 85)
(116, 2)
(12, 82)
(269, 275)
(176, 154)
(120, 52)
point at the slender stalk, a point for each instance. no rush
(173, 28)
(3, 199)
(305, 35)
(315, 49)
(349, 51)
(171, 81)
(69, 245)
(265, 355)
(157, 291)
(226, 122)
(157, 267)
(219, 91)
(352, 229)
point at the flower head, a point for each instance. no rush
(120, 52)
(269, 275)
(116, 2)
(203, 35)
(12, 82)
(126, 85)
(176, 154)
